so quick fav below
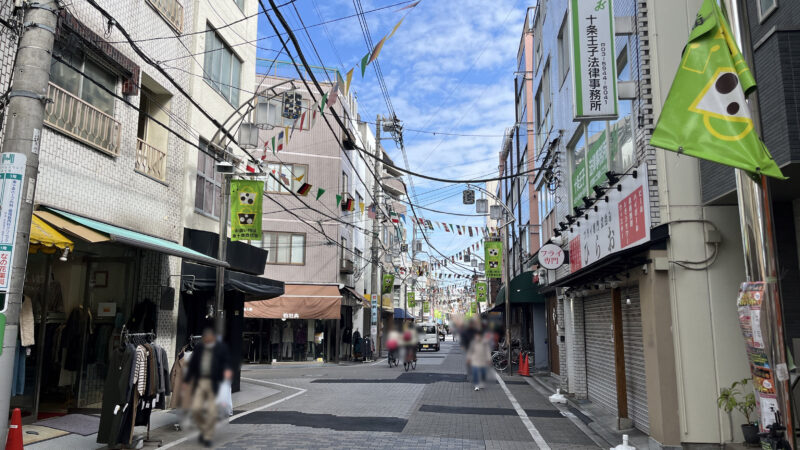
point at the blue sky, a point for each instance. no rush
(449, 68)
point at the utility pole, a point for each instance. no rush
(759, 244)
(25, 112)
(376, 231)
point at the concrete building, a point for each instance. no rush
(104, 160)
(640, 317)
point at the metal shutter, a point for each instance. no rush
(600, 375)
(634, 358)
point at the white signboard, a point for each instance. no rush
(594, 68)
(374, 309)
(551, 256)
(622, 222)
(12, 173)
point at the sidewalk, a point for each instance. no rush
(159, 420)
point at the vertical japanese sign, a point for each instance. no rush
(246, 198)
(12, 172)
(594, 74)
(411, 300)
(480, 292)
(494, 259)
(374, 304)
(751, 295)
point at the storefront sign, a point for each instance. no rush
(246, 212)
(751, 295)
(594, 74)
(12, 173)
(494, 259)
(410, 299)
(551, 256)
(620, 223)
(374, 303)
(480, 291)
(291, 316)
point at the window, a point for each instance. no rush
(344, 250)
(360, 200)
(75, 83)
(284, 248)
(290, 175)
(240, 4)
(209, 184)
(765, 8)
(563, 52)
(359, 256)
(345, 183)
(222, 68)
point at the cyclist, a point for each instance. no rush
(392, 344)
(410, 343)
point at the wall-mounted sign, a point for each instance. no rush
(594, 74)
(551, 256)
(620, 223)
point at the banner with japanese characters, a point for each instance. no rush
(594, 72)
(246, 200)
(494, 259)
(480, 292)
(411, 300)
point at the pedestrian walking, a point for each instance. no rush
(209, 366)
(479, 359)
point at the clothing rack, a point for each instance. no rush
(127, 337)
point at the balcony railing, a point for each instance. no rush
(151, 161)
(79, 119)
(171, 11)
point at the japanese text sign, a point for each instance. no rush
(480, 292)
(246, 198)
(551, 256)
(494, 259)
(594, 73)
(12, 172)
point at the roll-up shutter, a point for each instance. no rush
(634, 358)
(600, 375)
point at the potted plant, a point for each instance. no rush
(734, 397)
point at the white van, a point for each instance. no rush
(428, 334)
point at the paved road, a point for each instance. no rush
(373, 406)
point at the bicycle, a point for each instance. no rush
(410, 360)
(392, 358)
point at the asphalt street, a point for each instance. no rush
(374, 406)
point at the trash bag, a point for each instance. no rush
(224, 399)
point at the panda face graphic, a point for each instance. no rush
(493, 252)
(246, 219)
(493, 264)
(247, 198)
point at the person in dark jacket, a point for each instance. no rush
(208, 367)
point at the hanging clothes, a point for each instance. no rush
(117, 397)
(181, 392)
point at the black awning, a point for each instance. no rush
(203, 278)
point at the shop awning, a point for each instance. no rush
(123, 236)
(400, 313)
(522, 291)
(196, 277)
(356, 298)
(46, 239)
(299, 301)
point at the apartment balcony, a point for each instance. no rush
(346, 266)
(82, 121)
(171, 11)
(151, 161)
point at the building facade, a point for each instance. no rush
(645, 301)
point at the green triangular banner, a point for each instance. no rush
(338, 199)
(321, 191)
(364, 63)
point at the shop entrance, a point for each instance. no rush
(290, 340)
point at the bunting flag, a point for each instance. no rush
(350, 204)
(445, 228)
(323, 102)
(312, 118)
(403, 216)
(364, 62)
(285, 180)
(459, 229)
(304, 189)
(371, 212)
(378, 47)
(334, 94)
(320, 191)
(361, 207)
(301, 119)
(347, 83)
(300, 178)
(393, 215)
(338, 199)
(470, 231)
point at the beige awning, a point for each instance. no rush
(300, 301)
(63, 224)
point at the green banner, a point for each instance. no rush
(494, 259)
(388, 283)
(246, 212)
(437, 314)
(473, 308)
(598, 160)
(480, 292)
(579, 188)
(425, 306)
(706, 114)
(411, 300)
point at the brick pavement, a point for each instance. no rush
(432, 407)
